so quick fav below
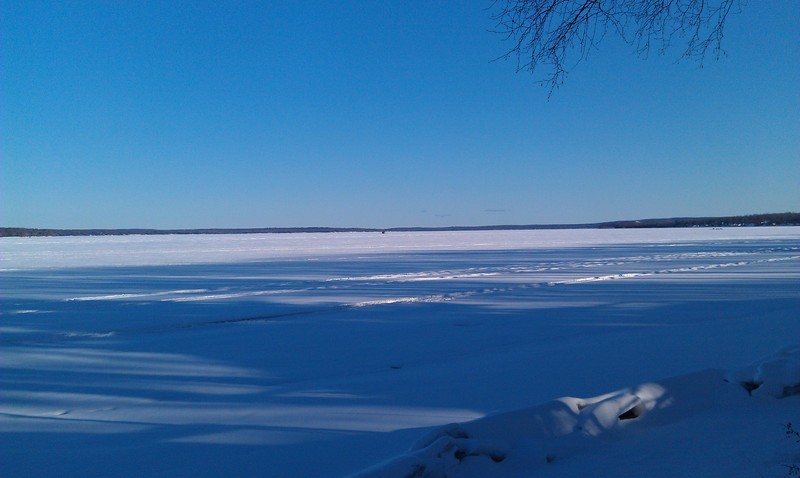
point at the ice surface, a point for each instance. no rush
(336, 354)
(88, 251)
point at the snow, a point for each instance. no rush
(512, 353)
(527, 441)
(133, 250)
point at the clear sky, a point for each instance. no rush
(375, 113)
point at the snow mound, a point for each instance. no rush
(517, 442)
(776, 376)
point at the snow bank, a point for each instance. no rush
(777, 376)
(517, 443)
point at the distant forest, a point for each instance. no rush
(773, 219)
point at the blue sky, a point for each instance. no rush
(376, 114)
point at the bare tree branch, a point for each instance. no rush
(544, 33)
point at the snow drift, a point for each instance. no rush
(519, 442)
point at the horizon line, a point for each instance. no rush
(764, 219)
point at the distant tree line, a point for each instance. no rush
(752, 220)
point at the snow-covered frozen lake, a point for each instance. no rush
(327, 354)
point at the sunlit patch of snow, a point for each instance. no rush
(126, 409)
(11, 423)
(233, 295)
(119, 362)
(252, 436)
(403, 300)
(190, 387)
(60, 252)
(321, 394)
(418, 276)
(135, 296)
(93, 335)
(16, 330)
